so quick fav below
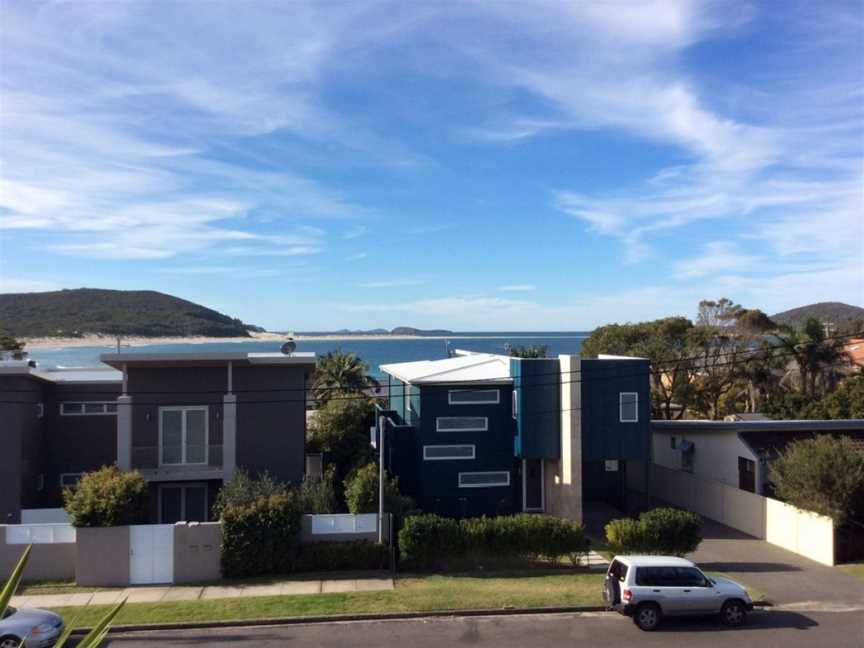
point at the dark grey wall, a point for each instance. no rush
(21, 438)
(271, 420)
(77, 443)
(154, 388)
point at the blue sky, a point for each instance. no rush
(475, 165)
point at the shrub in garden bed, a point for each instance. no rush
(261, 537)
(666, 531)
(107, 497)
(430, 541)
(342, 556)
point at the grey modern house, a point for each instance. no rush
(186, 421)
(485, 434)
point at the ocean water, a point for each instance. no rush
(374, 352)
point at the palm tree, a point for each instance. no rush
(340, 372)
(817, 357)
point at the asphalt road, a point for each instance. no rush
(764, 629)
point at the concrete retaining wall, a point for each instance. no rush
(103, 557)
(48, 562)
(197, 552)
(801, 532)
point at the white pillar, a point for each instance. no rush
(569, 478)
(229, 436)
(124, 432)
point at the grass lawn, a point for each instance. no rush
(53, 587)
(412, 594)
(856, 569)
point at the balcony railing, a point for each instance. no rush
(196, 457)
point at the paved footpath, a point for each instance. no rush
(768, 629)
(149, 594)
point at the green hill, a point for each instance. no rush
(67, 313)
(834, 312)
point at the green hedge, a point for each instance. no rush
(430, 541)
(261, 537)
(665, 531)
(342, 556)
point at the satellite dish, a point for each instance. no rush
(289, 347)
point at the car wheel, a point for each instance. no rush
(733, 613)
(9, 642)
(647, 616)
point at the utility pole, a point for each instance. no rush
(381, 420)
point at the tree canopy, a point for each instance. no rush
(340, 372)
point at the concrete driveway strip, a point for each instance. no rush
(768, 629)
(784, 577)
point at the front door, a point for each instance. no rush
(182, 503)
(532, 482)
(151, 554)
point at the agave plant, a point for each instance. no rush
(91, 640)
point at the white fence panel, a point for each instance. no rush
(344, 523)
(23, 534)
(44, 516)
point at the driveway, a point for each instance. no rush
(785, 578)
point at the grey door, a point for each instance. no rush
(533, 476)
(182, 503)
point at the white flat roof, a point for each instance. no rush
(476, 367)
(63, 375)
(272, 358)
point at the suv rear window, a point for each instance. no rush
(618, 570)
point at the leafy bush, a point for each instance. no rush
(665, 531)
(362, 493)
(427, 541)
(824, 475)
(342, 556)
(340, 429)
(243, 489)
(107, 497)
(261, 537)
(432, 541)
(318, 494)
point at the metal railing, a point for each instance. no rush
(192, 456)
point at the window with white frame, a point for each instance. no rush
(474, 397)
(515, 403)
(68, 480)
(183, 435)
(443, 452)
(628, 407)
(461, 424)
(88, 408)
(484, 479)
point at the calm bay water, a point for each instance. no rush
(374, 352)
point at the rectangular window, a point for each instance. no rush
(67, 480)
(88, 408)
(442, 452)
(484, 479)
(628, 407)
(182, 435)
(474, 397)
(515, 403)
(461, 424)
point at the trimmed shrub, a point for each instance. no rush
(318, 494)
(431, 541)
(664, 531)
(244, 489)
(107, 497)
(261, 537)
(362, 491)
(427, 541)
(342, 556)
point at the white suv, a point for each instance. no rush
(648, 588)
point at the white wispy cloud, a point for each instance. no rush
(518, 288)
(392, 283)
(21, 285)
(356, 257)
(354, 232)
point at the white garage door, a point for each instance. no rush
(151, 554)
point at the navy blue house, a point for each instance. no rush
(485, 434)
